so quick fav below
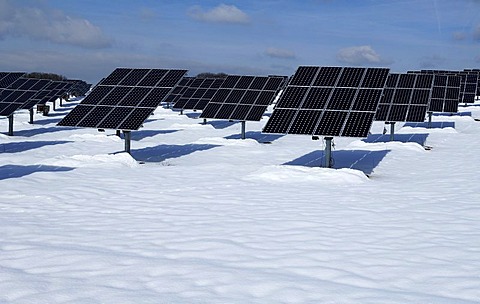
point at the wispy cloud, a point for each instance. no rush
(476, 33)
(222, 14)
(359, 55)
(432, 61)
(51, 25)
(147, 14)
(279, 53)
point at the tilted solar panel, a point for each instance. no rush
(243, 98)
(328, 101)
(21, 92)
(124, 99)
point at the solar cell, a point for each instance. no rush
(328, 101)
(22, 93)
(7, 78)
(198, 93)
(124, 99)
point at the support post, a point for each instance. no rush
(392, 131)
(127, 135)
(54, 102)
(181, 112)
(10, 125)
(243, 129)
(31, 115)
(117, 133)
(429, 125)
(204, 121)
(61, 101)
(328, 152)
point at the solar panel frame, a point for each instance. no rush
(198, 93)
(21, 94)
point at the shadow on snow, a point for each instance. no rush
(221, 124)
(15, 171)
(37, 131)
(404, 138)
(433, 124)
(258, 136)
(363, 160)
(139, 135)
(27, 145)
(160, 153)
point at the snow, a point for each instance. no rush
(201, 216)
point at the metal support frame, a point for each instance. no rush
(429, 125)
(118, 133)
(204, 121)
(243, 129)
(128, 139)
(181, 112)
(328, 152)
(61, 101)
(392, 131)
(10, 125)
(54, 105)
(31, 115)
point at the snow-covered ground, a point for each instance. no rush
(201, 216)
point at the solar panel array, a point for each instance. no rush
(329, 101)
(405, 97)
(468, 85)
(243, 98)
(20, 92)
(198, 93)
(476, 71)
(124, 99)
(55, 90)
(445, 94)
(7, 78)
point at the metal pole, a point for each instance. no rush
(10, 125)
(243, 129)
(204, 121)
(392, 131)
(31, 115)
(127, 135)
(61, 103)
(328, 152)
(117, 133)
(181, 112)
(429, 120)
(54, 105)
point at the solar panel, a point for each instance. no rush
(124, 99)
(55, 90)
(198, 93)
(177, 92)
(7, 78)
(445, 94)
(469, 83)
(328, 101)
(243, 98)
(405, 97)
(20, 92)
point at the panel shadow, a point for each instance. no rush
(419, 138)
(221, 124)
(15, 171)
(28, 145)
(433, 124)
(363, 160)
(453, 114)
(193, 115)
(258, 136)
(33, 132)
(139, 135)
(161, 153)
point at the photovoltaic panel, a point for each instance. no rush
(124, 99)
(20, 92)
(7, 78)
(328, 101)
(445, 94)
(406, 97)
(469, 83)
(198, 93)
(243, 98)
(177, 92)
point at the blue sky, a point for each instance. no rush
(87, 39)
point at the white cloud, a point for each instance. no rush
(222, 14)
(360, 55)
(51, 25)
(279, 53)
